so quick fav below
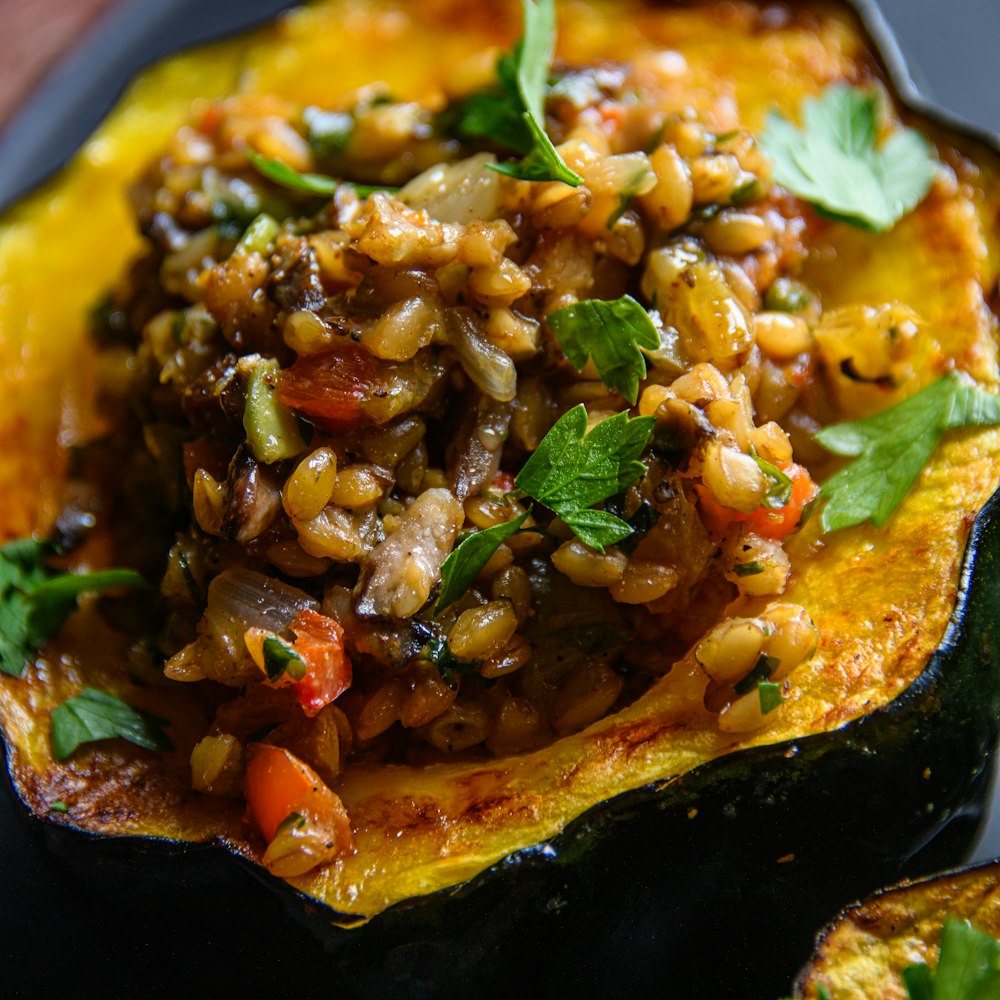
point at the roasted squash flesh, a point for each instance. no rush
(881, 598)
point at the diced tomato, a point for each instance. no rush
(331, 386)
(320, 642)
(210, 119)
(503, 482)
(279, 785)
(768, 522)
(612, 115)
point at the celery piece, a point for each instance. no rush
(272, 430)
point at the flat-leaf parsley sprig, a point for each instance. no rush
(94, 715)
(834, 161)
(611, 333)
(891, 447)
(569, 472)
(968, 967)
(514, 113)
(35, 600)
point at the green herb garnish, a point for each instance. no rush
(330, 132)
(464, 564)
(891, 447)
(317, 184)
(447, 663)
(748, 568)
(568, 472)
(59, 806)
(280, 659)
(611, 333)
(95, 715)
(780, 490)
(35, 601)
(834, 162)
(762, 670)
(968, 967)
(770, 696)
(572, 470)
(514, 114)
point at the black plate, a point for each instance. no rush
(59, 935)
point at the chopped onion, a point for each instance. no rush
(457, 192)
(239, 599)
(488, 367)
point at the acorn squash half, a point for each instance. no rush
(863, 951)
(649, 853)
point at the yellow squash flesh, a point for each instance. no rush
(880, 597)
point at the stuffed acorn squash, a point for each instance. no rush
(463, 410)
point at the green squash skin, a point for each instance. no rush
(601, 911)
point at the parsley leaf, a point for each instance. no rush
(891, 447)
(34, 601)
(95, 715)
(968, 967)
(317, 184)
(834, 163)
(465, 562)
(780, 490)
(330, 132)
(449, 666)
(611, 333)
(280, 659)
(572, 470)
(514, 114)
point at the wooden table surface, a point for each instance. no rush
(35, 34)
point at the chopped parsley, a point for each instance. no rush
(611, 333)
(281, 660)
(513, 113)
(464, 564)
(768, 692)
(891, 447)
(316, 184)
(780, 491)
(968, 967)
(568, 472)
(448, 664)
(35, 601)
(572, 470)
(96, 715)
(834, 161)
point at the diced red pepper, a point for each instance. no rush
(331, 387)
(768, 522)
(319, 640)
(279, 785)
